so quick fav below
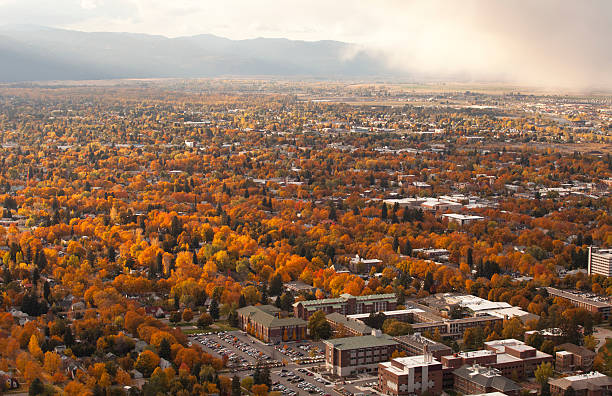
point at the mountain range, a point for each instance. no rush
(35, 53)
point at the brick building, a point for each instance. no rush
(571, 357)
(413, 345)
(476, 379)
(589, 384)
(595, 306)
(346, 304)
(353, 355)
(263, 322)
(341, 324)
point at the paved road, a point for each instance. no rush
(601, 333)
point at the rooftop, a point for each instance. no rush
(366, 341)
(266, 316)
(407, 363)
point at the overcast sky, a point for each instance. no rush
(542, 42)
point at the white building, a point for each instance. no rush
(600, 261)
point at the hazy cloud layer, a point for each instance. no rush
(542, 42)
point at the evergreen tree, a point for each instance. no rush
(68, 337)
(241, 301)
(276, 285)
(236, 390)
(383, 213)
(213, 310)
(164, 349)
(36, 388)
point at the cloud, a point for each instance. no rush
(551, 43)
(89, 4)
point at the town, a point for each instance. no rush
(272, 237)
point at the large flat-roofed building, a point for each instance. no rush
(511, 357)
(600, 261)
(461, 219)
(403, 315)
(516, 357)
(353, 355)
(263, 322)
(341, 324)
(346, 304)
(601, 306)
(412, 375)
(414, 344)
(476, 379)
(589, 384)
(571, 357)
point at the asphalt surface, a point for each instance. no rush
(243, 350)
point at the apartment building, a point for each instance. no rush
(600, 261)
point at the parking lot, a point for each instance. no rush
(290, 363)
(243, 351)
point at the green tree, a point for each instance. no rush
(236, 391)
(276, 285)
(213, 310)
(318, 326)
(543, 372)
(36, 387)
(164, 349)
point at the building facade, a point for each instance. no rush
(589, 384)
(346, 304)
(600, 261)
(571, 357)
(354, 355)
(264, 323)
(412, 375)
(596, 306)
(470, 380)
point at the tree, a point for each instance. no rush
(241, 301)
(473, 338)
(236, 390)
(276, 285)
(36, 387)
(147, 362)
(260, 390)
(164, 349)
(213, 310)
(286, 302)
(543, 372)
(590, 342)
(375, 320)
(205, 320)
(513, 328)
(318, 326)
(187, 315)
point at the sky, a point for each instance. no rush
(557, 43)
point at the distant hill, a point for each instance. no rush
(34, 53)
